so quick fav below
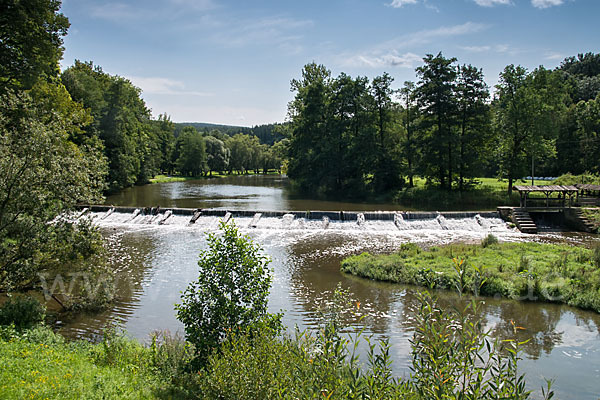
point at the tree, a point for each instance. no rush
(387, 169)
(192, 152)
(231, 291)
(309, 149)
(409, 117)
(473, 122)
(217, 154)
(31, 41)
(122, 121)
(163, 132)
(436, 98)
(43, 176)
(525, 115)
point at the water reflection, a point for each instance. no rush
(157, 262)
(255, 192)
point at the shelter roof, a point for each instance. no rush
(586, 186)
(547, 188)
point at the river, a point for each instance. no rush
(156, 262)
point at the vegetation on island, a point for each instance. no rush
(525, 271)
(239, 351)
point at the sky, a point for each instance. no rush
(231, 62)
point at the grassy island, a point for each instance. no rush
(524, 271)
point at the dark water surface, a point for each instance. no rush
(253, 192)
(156, 262)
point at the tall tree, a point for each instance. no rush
(192, 152)
(436, 98)
(217, 154)
(473, 122)
(387, 173)
(409, 116)
(121, 120)
(31, 41)
(43, 175)
(309, 114)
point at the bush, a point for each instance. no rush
(23, 312)
(230, 294)
(489, 240)
(453, 357)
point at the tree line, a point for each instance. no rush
(356, 135)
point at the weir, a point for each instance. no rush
(388, 222)
(393, 216)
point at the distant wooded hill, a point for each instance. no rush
(267, 134)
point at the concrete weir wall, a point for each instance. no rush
(332, 215)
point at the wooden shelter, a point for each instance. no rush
(588, 195)
(560, 201)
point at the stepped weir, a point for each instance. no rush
(355, 216)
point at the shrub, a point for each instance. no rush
(453, 357)
(489, 240)
(23, 312)
(231, 292)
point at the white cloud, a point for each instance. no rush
(476, 49)
(392, 59)
(546, 3)
(553, 55)
(158, 85)
(426, 36)
(400, 3)
(388, 54)
(283, 32)
(492, 3)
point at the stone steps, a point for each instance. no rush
(586, 222)
(523, 221)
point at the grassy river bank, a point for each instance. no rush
(524, 271)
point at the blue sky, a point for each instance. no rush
(231, 62)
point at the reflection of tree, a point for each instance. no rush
(316, 272)
(389, 308)
(589, 319)
(130, 256)
(538, 320)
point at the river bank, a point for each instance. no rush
(522, 271)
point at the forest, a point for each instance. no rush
(356, 135)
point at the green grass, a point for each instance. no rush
(41, 365)
(524, 271)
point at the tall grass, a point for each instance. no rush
(523, 271)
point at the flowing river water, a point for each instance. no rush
(156, 262)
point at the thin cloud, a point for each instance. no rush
(427, 36)
(498, 48)
(119, 12)
(201, 5)
(279, 31)
(552, 55)
(389, 54)
(158, 85)
(546, 3)
(393, 59)
(492, 3)
(400, 3)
